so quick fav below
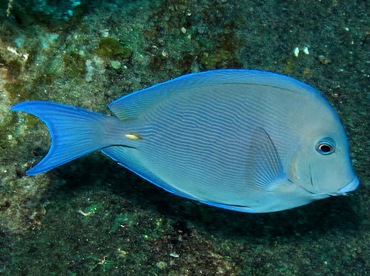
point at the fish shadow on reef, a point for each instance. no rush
(95, 172)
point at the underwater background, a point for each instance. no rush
(93, 217)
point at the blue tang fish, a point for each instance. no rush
(243, 140)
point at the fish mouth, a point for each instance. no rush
(350, 186)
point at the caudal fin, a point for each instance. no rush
(74, 132)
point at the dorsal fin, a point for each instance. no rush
(132, 105)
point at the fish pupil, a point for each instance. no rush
(325, 148)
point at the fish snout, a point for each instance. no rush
(350, 186)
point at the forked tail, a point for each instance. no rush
(74, 132)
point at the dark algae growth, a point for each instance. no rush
(93, 217)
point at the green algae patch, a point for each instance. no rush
(122, 220)
(17, 90)
(90, 210)
(15, 68)
(21, 90)
(289, 66)
(74, 64)
(94, 262)
(49, 13)
(110, 47)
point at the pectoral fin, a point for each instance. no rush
(264, 168)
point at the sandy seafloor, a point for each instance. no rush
(93, 217)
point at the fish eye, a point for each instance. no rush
(325, 146)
